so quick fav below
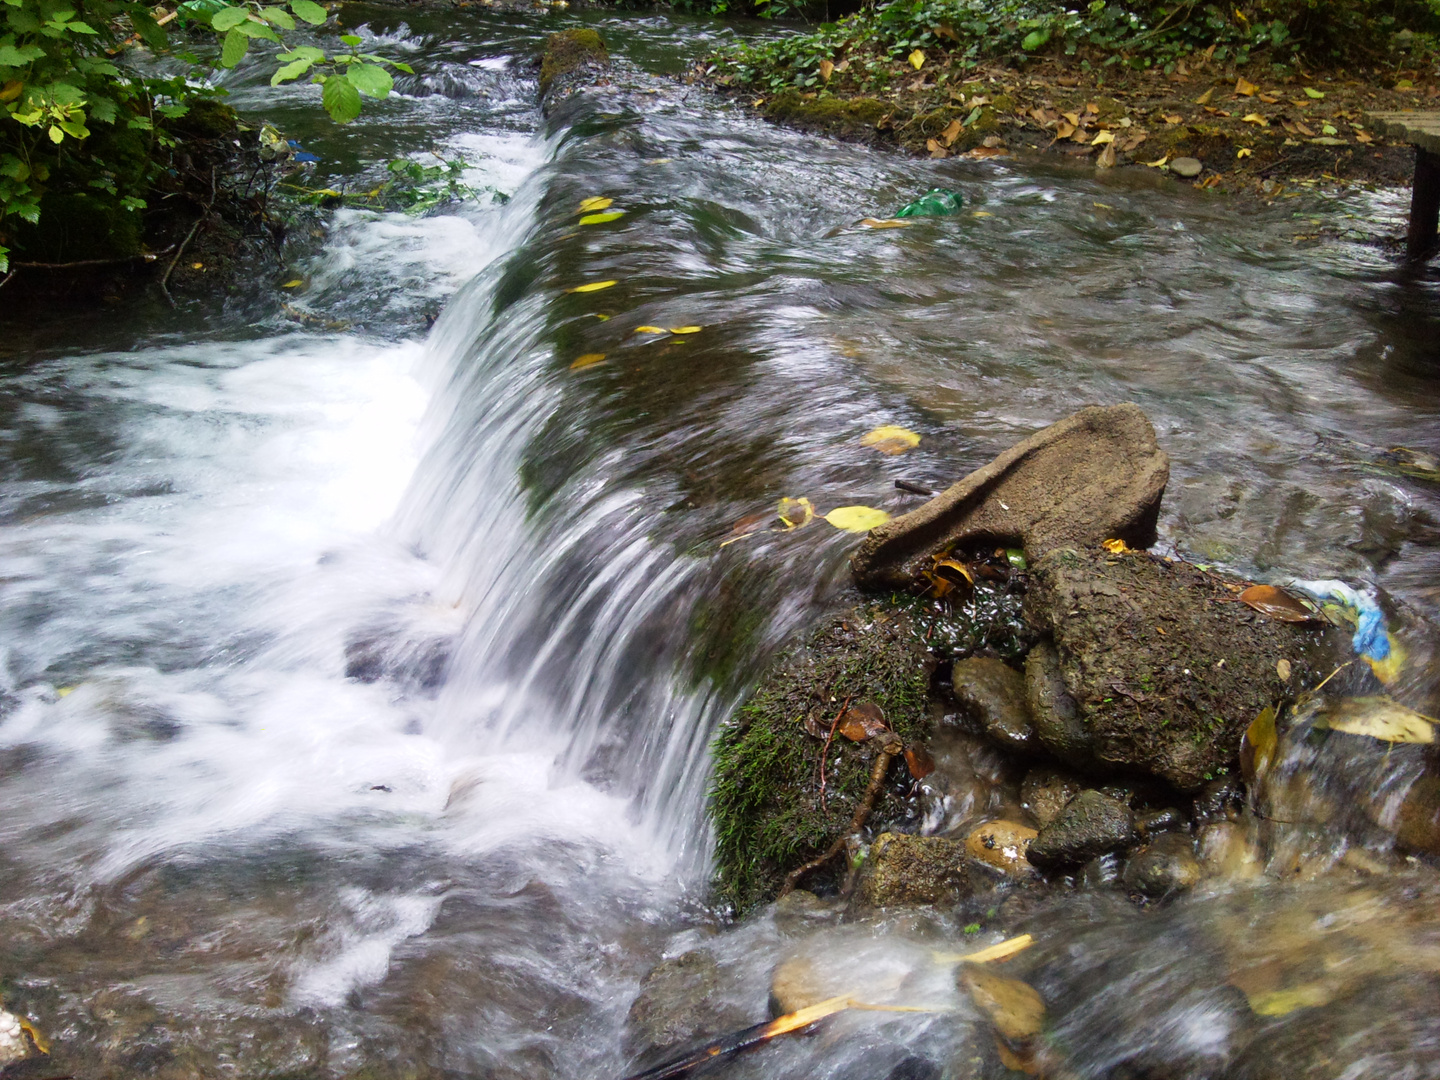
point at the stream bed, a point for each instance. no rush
(356, 679)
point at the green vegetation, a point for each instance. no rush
(868, 50)
(84, 129)
(569, 50)
(765, 800)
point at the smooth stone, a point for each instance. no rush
(1002, 845)
(1091, 825)
(1228, 852)
(1053, 710)
(992, 694)
(1045, 792)
(1164, 866)
(677, 1004)
(1188, 167)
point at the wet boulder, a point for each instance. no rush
(1153, 666)
(1001, 845)
(1094, 476)
(1091, 825)
(679, 1004)
(903, 869)
(992, 694)
(570, 56)
(1046, 791)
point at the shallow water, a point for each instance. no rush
(357, 684)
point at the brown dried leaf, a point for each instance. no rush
(863, 721)
(826, 69)
(1278, 604)
(1245, 88)
(1106, 160)
(951, 132)
(919, 761)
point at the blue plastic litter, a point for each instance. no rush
(1372, 638)
(305, 156)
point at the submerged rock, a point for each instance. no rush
(1154, 667)
(571, 52)
(903, 869)
(678, 1004)
(1164, 866)
(1091, 825)
(1045, 792)
(992, 694)
(1093, 476)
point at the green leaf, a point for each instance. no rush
(256, 29)
(278, 16)
(104, 110)
(290, 71)
(398, 66)
(304, 52)
(140, 123)
(1310, 92)
(371, 80)
(351, 39)
(234, 49)
(228, 18)
(4, 259)
(13, 167)
(1035, 39)
(56, 135)
(74, 130)
(80, 28)
(341, 99)
(151, 32)
(310, 11)
(19, 56)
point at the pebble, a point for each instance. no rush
(1165, 866)
(1090, 825)
(1044, 793)
(1002, 845)
(1188, 167)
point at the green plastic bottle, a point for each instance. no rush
(937, 202)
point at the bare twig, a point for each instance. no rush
(164, 281)
(862, 814)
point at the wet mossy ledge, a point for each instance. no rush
(571, 53)
(1026, 650)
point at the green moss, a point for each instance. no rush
(844, 117)
(765, 798)
(568, 51)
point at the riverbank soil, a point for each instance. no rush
(1247, 129)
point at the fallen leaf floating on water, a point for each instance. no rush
(651, 330)
(1381, 718)
(1014, 1008)
(686, 329)
(917, 59)
(595, 202)
(889, 439)
(862, 721)
(1245, 87)
(590, 359)
(795, 512)
(1278, 604)
(292, 284)
(884, 223)
(592, 286)
(856, 519)
(1280, 1002)
(601, 219)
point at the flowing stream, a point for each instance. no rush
(356, 680)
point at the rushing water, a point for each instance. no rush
(357, 683)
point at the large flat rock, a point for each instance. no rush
(1094, 476)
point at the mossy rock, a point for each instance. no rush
(765, 799)
(570, 51)
(846, 118)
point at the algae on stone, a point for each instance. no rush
(765, 797)
(569, 51)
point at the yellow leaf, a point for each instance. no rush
(293, 284)
(917, 59)
(685, 329)
(64, 691)
(1103, 138)
(856, 518)
(595, 202)
(795, 512)
(11, 90)
(1103, 206)
(651, 330)
(883, 223)
(826, 69)
(1280, 1002)
(1255, 118)
(35, 1036)
(1245, 87)
(1381, 718)
(890, 439)
(1157, 163)
(1257, 748)
(1204, 99)
(593, 286)
(197, 266)
(982, 213)
(601, 219)
(602, 318)
(1116, 547)
(590, 359)
(1243, 152)
(666, 160)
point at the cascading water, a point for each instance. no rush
(357, 690)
